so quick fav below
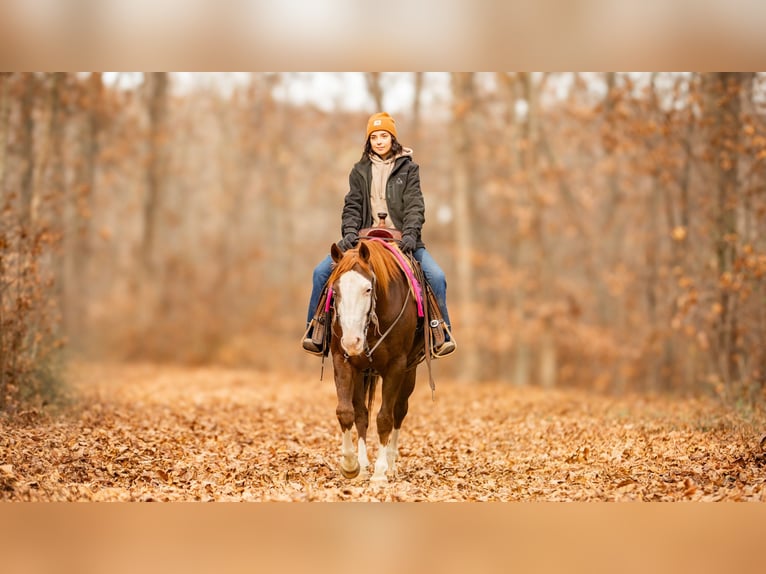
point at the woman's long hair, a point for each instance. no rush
(396, 147)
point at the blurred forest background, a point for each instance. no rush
(604, 231)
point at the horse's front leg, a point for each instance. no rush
(345, 379)
(401, 406)
(392, 451)
(386, 459)
(361, 419)
(388, 436)
(349, 463)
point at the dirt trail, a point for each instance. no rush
(159, 433)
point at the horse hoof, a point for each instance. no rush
(379, 480)
(353, 473)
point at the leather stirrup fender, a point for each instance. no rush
(318, 333)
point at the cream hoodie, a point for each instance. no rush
(381, 170)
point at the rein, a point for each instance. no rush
(390, 327)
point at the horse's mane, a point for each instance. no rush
(382, 263)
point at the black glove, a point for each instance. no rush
(408, 244)
(349, 240)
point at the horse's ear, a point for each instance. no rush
(336, 253)
(364, 251)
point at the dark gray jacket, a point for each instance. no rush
(403, 197)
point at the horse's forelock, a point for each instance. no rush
(381, 263)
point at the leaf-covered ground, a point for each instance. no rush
(144, 433)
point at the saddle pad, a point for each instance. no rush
(407, 268)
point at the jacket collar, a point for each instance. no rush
(364, 165)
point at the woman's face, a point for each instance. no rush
(380, 141)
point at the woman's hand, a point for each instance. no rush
(408, 244)
(349, 240)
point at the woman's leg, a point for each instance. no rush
(436, 279)
(321, 275)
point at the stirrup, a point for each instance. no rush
(438, 333)
(311, 347)
(447, 348)
(442, 346)
(313, 338)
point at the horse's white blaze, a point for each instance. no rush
(355, 297)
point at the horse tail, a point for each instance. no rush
(370, 383)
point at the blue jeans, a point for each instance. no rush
(434, 275)
(321, 275)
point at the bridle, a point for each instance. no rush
(372, 319)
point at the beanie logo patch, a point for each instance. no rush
(377, 122)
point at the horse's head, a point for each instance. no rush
(353, 284)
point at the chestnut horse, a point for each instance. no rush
(374, 334)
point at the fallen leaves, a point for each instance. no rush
(145, 433)
(7, 477)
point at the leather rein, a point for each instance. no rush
(390, 327)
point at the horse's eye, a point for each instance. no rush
(368, 291)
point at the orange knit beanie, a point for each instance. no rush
(381, 121)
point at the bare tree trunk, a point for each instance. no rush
(375, 88)
(54, 185)
(279, 197)
(4, 240)
(79, 236)
(724, 91)
(652, 258)
(157, 104)
(508, 306)
(681, 251)
(87, 179)
(522, 355)
(43, 144)
(416, 109)
(462, 89)
(651, 250)
(546, 352)
(509, 84)
(147, 283)
(49, 121)
(5, 78)
(548, 358)
(611, 312)
(749, 228)
(26, 151)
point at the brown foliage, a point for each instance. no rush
(609, 226)
(147, 433)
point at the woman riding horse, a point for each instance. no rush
(385, 180)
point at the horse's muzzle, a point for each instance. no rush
(352, 345)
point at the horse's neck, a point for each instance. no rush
(389, 307)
